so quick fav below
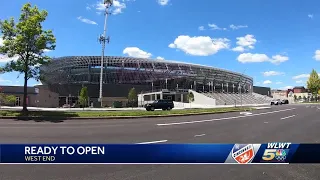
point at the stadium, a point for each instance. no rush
(67, 75)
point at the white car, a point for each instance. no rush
(276, 102)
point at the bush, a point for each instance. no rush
(132, 104)
(117, 104)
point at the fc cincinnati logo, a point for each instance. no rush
(243, 153)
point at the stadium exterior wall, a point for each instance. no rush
(67, 75)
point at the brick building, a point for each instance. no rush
(38, 96)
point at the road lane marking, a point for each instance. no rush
(220, 119)
(288, 117)
(153, 142)
(266, 122)
(245, 113)
(199, 135)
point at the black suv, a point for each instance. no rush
(163, 104)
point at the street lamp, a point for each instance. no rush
(103, 39)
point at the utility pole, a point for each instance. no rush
(103, 40)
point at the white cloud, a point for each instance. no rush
(47, 50)
(251, 58)
(278, 82)
(235, 27)
(215, 27)
(37, 84)
(5, 59)
(286, 87)
(201, 28)
(1, 41)
(117, 6)
(317, 55)
(267, 82)
(301, 76)
(88, 21)
(238, 49)
(88, 8)
(5, 81)
(255, 58)
(272, 73)
(172, 45)
(163, 2)
(247, 41)
(310, 16)
(200, 45)
(160, 58)
(299, 82)
(277, 59)
(136, 52)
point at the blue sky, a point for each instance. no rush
(275, 42)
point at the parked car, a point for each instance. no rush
(276, 102)
(285, 101)
(163, 104)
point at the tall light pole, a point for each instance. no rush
(103, 39)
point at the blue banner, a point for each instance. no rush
(159, 153)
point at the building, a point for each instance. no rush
(299, 89)
(67, 75)
(64, 77)
(38, 96)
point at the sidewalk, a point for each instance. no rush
(177, 106)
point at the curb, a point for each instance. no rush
(109, 117)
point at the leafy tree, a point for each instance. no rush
(295, 97)
(190, 97)
(314, 83)
(299, 97)
(10, 99)
(26, 41)
(83, 97)
(132, 96)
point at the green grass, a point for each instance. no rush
(119, 113)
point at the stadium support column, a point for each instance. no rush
(103, 40)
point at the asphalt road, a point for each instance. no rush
(292, 123)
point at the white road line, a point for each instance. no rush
(153, 142)
(199, 135)
(266, 122)
(288, 117)
(220, 119)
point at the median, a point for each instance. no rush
(6, 114)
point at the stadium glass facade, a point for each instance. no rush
(67, 75)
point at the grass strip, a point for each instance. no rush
(88, 114)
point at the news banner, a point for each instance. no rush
(269, 153)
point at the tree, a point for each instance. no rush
(26, 41)
(299, 97)
(83, 97)
(314, 83)
(304, 98)
(10, 99)
(132, 96)
(190, 97)
(295, 97)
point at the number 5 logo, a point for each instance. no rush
(269, 154)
